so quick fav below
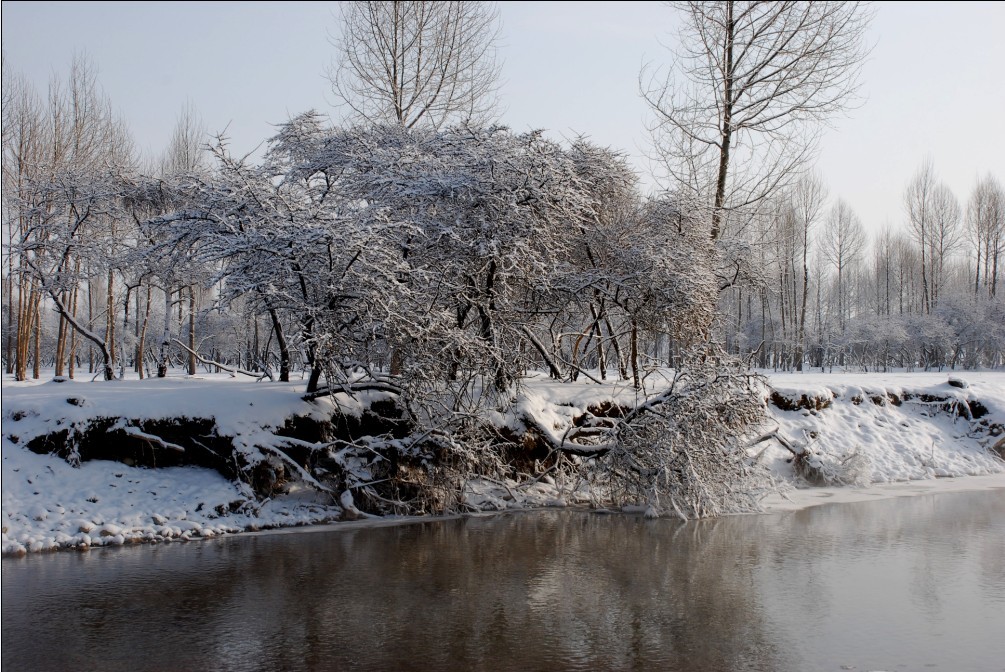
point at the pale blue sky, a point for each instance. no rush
(933, 85)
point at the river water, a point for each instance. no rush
(900, 584)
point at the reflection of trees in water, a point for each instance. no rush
(527, 591)
(553, 590)
(550, 591)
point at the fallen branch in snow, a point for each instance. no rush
(350, 388)
(500, 483)
(565, 444)
(371, 493)
(137, 433)
(580, 370)
(785, 443)
(535, 479)
(265, 373)
(853, 469)
(552, 367)
(304, 474)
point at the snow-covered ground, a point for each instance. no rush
(896, 449)
(49, 504)
(894, 426)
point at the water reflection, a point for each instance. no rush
(909, 582)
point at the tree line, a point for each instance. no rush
(112, 265)
(921, 296)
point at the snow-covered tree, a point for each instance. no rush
(683, 451)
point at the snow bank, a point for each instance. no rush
(49, 504)
(897, 427)
(905, 426)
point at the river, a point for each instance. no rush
(915, 583)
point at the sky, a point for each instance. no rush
(932, 87)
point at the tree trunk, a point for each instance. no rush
(924, 276)
(110, 316)
(141, 339)
(90, 321)
(601, 356)
(284, 349)
(61, 337)
(553, 369)
(36, 366)
(315, 379)
(71, 359)
(20, 342)
(622, 369)
(636, 381)
(726, 132)
(191, 330)
(162, 361)
(994, 273)
(801, 338)
(137, 355)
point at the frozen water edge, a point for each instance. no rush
(779, 503)
(802, 498)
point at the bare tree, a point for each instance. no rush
(808, 199)
(187, 151)
(842, 244)
(417, 62)
(933, 216)
(883, 268)
(25, 142)
(740, 112)
(986, 228)
(945, 235)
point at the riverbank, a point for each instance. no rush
(878, 435)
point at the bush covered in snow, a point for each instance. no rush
(684, 451)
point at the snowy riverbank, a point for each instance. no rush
(903, 433)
